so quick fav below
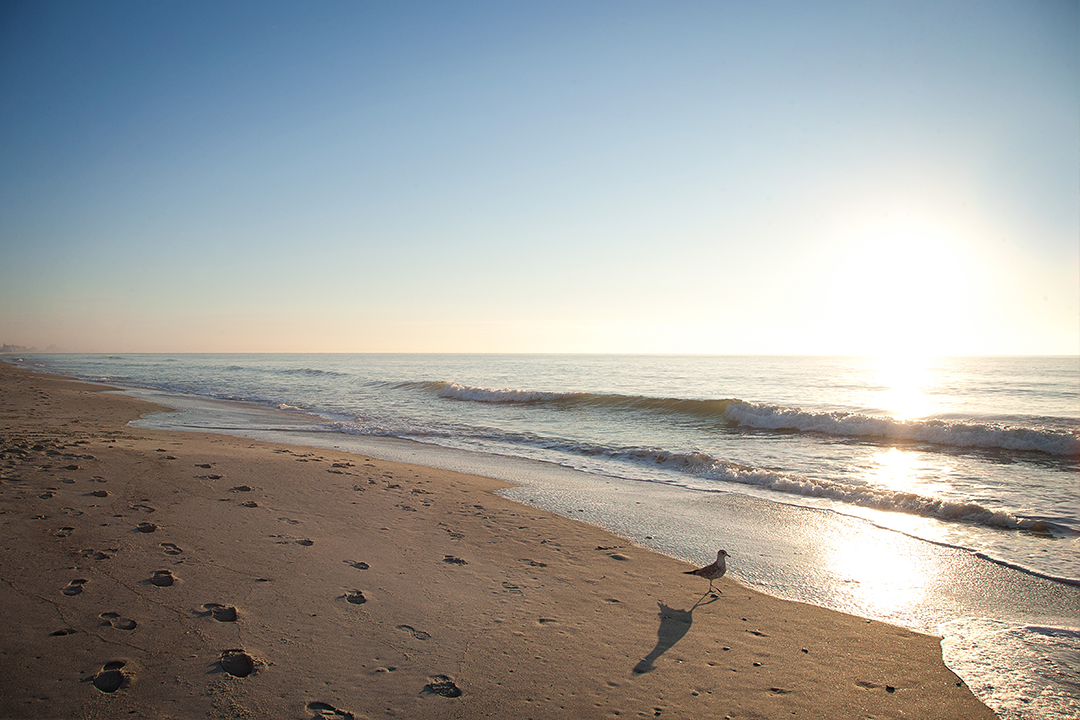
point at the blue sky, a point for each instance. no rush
(728, 177)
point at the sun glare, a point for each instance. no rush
(894, 469)
(902, 377)
(883, 579)
(902, 289)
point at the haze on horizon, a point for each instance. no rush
(717, 177)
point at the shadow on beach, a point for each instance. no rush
(674, 624)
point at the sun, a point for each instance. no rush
(904, 376)
(901, 290)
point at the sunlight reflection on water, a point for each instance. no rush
(896, 469)
(903, 378)
(885, 579)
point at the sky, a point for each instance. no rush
(615, 177)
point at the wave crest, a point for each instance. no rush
(733, 412)
(868, 496)
(454, 391)
(940, 432)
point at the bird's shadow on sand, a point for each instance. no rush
(674, 624)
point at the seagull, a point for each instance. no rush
(714, 571)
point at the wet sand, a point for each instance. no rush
(163, 574)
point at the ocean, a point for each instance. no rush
(942, 494)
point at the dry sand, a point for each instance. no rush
(183, 575)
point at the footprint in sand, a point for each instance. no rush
(357, 565)
(237, 663)
(46, 495)
(305, 542)
(221, 613)
(145, 527)
(418, 634)
(111, 678)
(74, 587)
(64, 532)
(442, 686)
(162, 578)
(170, 549)
(325, 710)
(120, 623)
(355, 597)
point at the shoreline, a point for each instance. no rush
(956, 588)
(376, 588)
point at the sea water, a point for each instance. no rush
(940, 494)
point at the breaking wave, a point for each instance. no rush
(716, 472)
(739, 413)
(868, 496)
(939, 432)
(704, 466)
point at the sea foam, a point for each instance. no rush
(761, 416)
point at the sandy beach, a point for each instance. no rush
(178, 575)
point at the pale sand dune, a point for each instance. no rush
(168, 575)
